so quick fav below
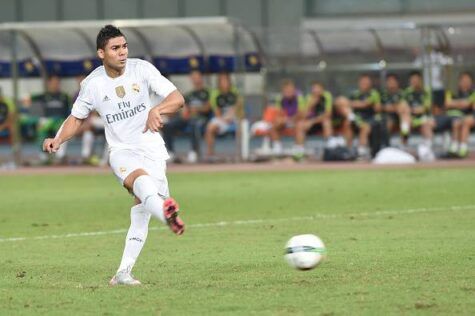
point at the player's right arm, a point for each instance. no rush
(82, 107)
(69, 129)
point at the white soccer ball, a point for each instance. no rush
(305, 252)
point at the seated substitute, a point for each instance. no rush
(54, 106)
(290, 109)
(460, 110)
(420, 103)
(395, 109)
(194, 116)
(7, 112)
(318, 117)
(224, 102)
(366, 103)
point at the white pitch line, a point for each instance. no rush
(256, 221)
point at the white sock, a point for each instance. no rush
(404, 128)
(298, 149)
(427, 142)
(463, 147)
(362, 150)
(351, 116)
(266, 142)
(87, 143)
(136, 236)
(146, 190)
(454, 146)
(277, 147)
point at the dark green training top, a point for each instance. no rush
(197, 98)
(53, 105)
(372, 96)
(418, 98)
(461, 95)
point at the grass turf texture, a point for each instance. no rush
(379, 263)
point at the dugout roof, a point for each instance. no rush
(371, 43)
(175, 46)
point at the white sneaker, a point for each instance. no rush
(277, 149)
(425, 153)
(123, 277)
(192, 157)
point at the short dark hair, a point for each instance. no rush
(287, 82)
(392, 75)
(105, 34)
(316, 83)
(365, 75)
(52, 75)
(415, 73)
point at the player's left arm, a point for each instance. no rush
(170, 105)
(162, 87)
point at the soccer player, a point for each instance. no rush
(195, 115)
(395, 109)
(291, 108)
(366, 103)
(7, 111)
(460, 108)
(120, 92)
(420, 103)
(225, 102)
(54, 106)
(318, 117)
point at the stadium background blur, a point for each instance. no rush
(305, 40)
(399, 238)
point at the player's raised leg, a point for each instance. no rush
(155, 200)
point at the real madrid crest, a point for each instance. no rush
(136, 87)
(120, 91)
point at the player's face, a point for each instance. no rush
(465, 83)
(392, 84)
(415, 82)
(317, 90)
(53, 85)
(288, 91)
(364, 84)
(224, 83)
(114, 55)
(196, 79)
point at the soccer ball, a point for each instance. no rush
(304, 252)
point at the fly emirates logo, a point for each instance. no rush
(126, 111)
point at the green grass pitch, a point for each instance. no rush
(399, 242)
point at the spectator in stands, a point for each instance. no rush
(54, 107)
(395, 109)
(460, 110)
(195, 115)
(7, 112)
(225, 104)
(420, 103)
(317, 117)
(291, 107)
(366, 103)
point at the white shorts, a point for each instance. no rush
(223, 125)
(123, 162)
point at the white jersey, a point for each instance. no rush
(123, 104)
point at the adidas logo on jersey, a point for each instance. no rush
(106, 98)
